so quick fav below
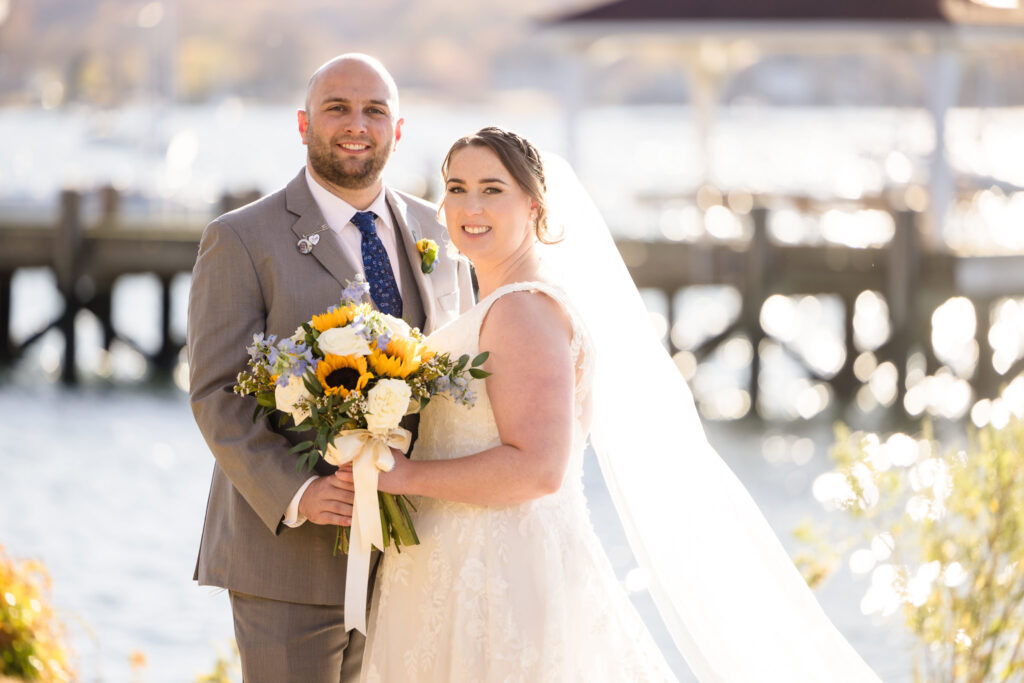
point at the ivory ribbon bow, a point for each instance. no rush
(369, 453)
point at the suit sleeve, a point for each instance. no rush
(226, 307)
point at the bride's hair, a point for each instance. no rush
(520, 158)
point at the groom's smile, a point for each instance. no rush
(354, 146)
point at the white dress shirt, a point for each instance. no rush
(338, 215)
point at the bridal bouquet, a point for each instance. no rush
(348, 376)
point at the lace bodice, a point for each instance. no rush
(503, 593)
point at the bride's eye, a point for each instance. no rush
(455, 189)
(492, 190)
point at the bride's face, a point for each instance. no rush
(489, 217)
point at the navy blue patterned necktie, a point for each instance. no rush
(377, 266)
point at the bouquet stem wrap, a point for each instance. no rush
(369, 453)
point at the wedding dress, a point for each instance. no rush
(504, 593)
(525, 593)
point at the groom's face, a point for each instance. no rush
(350, 125)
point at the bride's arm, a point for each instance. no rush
(531, 389)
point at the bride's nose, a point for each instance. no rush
(473, 205)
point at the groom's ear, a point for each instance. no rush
(303, 123)
(398, 134)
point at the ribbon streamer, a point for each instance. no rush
(369, 454)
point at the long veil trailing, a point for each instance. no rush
(734, 603)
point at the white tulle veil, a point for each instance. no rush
(734, 603)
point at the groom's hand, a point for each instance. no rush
(328, 500)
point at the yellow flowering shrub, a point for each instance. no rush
(31, 639)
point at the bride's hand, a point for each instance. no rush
(395, 482)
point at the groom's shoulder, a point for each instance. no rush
(251, 221)
(415, 203)
(267, 205)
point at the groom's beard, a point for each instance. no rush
(352, 174)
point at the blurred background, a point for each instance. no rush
(823, 203)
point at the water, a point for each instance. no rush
(108, 486)
(182, 158)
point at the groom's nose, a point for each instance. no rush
(355, 122)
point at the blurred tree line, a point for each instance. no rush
(110, 52)
(107, 52)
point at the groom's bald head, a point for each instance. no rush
(353, 62)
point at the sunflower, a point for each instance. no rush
(342, 375)
(401, 358)
(338, 316)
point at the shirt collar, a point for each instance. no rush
(337, 212)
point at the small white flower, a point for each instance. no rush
(343, 341)
(386, 405)
(300, 334)
(289, 396)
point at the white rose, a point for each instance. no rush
(343, 341)
(288, 396)
(398, 327)
(386, 405)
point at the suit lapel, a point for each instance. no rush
(409, 233)
(328, 250)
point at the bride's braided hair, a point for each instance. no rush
(520, 158)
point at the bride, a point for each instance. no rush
(509, 582)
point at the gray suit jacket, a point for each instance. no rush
(250, 277)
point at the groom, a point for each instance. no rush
(266, 268)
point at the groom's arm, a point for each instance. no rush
(226, 307)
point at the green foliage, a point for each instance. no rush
(31, 639)
(946, 548)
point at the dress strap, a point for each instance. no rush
(579, 346)
(553, 291)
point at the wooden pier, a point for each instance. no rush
(87, 259)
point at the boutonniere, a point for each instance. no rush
(428, 255)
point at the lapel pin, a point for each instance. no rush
(307, 242)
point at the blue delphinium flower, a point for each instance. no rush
(383, 338)
(460, 392)
(359, 326)
(292, 360)
(356, 290)
(260, 346)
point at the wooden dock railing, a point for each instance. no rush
(88, 259)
